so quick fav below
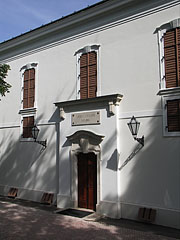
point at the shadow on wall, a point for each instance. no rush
(149, 174)
(112, 162)
(24, 165)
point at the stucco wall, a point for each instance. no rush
(128, 64)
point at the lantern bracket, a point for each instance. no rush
(134, 128)
(43, 143)
(35, 132)
(140, 140)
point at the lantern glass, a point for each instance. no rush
(35, 132)
(134, 126)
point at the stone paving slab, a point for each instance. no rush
(20, 220)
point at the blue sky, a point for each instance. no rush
(20, 16)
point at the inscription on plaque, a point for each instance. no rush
(85, 118)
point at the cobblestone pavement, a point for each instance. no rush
(29, 221)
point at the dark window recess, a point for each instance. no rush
(173, 115)
(88, 75)
(47, 198)
(147, 214)
(172, 58)
(12, 192)
(28, 124)
(29, 88)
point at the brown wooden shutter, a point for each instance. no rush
(173, 115)
(28, 123)
(29, 88)
(172, 57)
(88, 75)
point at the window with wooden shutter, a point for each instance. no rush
(172, 58)
(29, 88)
(88, 75)
(173, 115)
(28, 123)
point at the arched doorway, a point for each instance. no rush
(87, 180)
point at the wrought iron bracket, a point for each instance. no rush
(43, 143)
(140, 140)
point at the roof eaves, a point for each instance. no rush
(55, 21)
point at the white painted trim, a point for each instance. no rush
(141, 114)
(118, 147)
(169, 91)
(149, 206)
(17, 124)
(9, 125)
(162, 84)
(165, 216)
(27, 111)
(78, 53)
(26, 193)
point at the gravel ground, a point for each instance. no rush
(29, 221)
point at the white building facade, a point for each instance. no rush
(80, 79)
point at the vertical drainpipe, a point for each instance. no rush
(118, 161)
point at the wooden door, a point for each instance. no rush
(87, 180)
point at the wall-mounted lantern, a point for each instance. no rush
(134, 128)
(35, 132)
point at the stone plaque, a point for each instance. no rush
(85, 118)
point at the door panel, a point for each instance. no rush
(92, 183)
(87, 180)
(82, 182)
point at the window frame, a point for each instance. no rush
(165, 117)
(28, 112)
(167, 94)
(161, 31)
(22, 71)
(29, 139)
(87, 49)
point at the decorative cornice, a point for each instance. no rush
(170, 25)
(29, 66)
(85, 134)
(85, 141)
(109, 101)
(114, 98)
(87, 49)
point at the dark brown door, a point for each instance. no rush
(87, 180)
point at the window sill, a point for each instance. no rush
(28, 111)
(27, 140)
(171, 134)
(169, 91)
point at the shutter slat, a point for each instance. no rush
(172, 56)
(28, 123)
(29, 88)
(173, 115)
(178, 35)
(88, 75)
(170, 53)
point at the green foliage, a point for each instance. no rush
(4, 86)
